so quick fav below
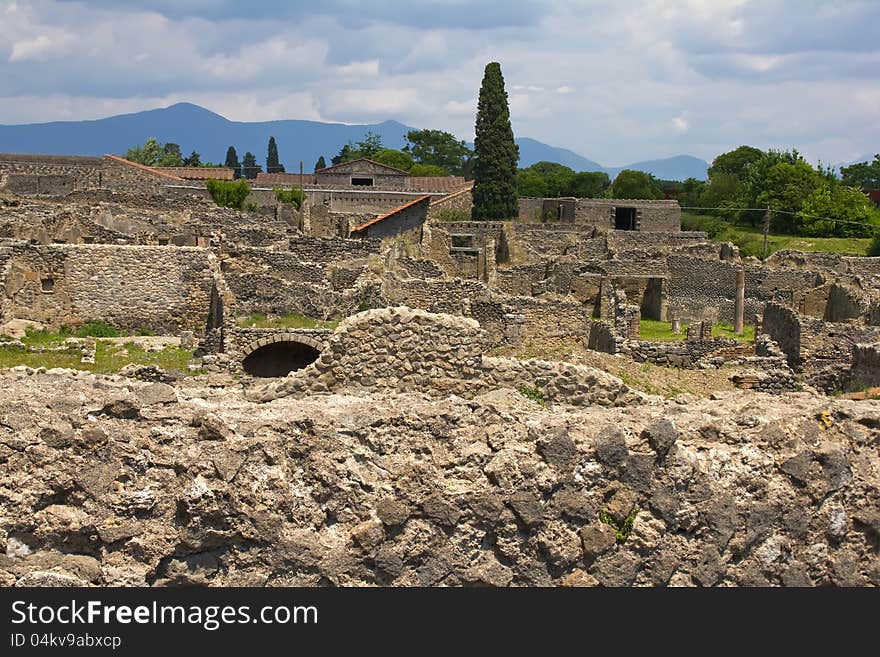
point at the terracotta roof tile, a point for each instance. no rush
(395, 211)
(143, 167)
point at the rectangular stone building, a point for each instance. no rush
(614, 214)
(362, 173)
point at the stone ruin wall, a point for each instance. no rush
(405, 350)
(164, 289)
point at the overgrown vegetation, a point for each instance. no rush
(109, 357)
(289, 320)
(623, 531)
(228, 193)
(293, 196)
(653, 330)
(750, 239)
(533, 394)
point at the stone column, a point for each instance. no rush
(740, 302)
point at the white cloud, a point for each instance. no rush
(368, 69)
(612, 88)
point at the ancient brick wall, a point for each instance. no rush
(48, 174)
(403, 222)
(865, 371)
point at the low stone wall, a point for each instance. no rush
(411, 350)
(686, 354)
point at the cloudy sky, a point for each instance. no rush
(615, 81)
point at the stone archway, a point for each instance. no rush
(279, 356)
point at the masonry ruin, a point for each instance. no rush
(100, 238)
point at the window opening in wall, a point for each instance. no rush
(624, 218)
(88, 239)
(559, 212)
(362, 182)
(47, 284)
(462, 241)
(163, 241)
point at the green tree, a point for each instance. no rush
(369, 145)
(232, 161)
(272, 163)
(249, 166)
(837, 210)
(394, 158)
(755, 182)
(194, 160)
(736, 162)
(786, 187)
(427, 171)
(171, 156)
(635, 185)
(530, 184)
(149, 154)
(722, 190)
(293, 196)
(495, 152)
(588, 184)
(439, 148)
(345, 154)
(864, 174)
(320, 164)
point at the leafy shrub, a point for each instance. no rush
(228, 193)
(534, 394)
(96, 329)
(874, 248)
(252, 207)
(293, 196)
(713, 226)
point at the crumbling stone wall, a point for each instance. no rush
(865, 370)
(48, 174)
(404, 349)
(165, 289)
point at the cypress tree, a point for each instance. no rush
(249, 166)
(495, 152)
(232, 161)
(272, 163)
(320, 164)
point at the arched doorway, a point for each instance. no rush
(279, 358)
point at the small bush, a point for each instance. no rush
(228, 193)
(144, 331)
(623, 531)
(97, 329)
(534, 394)
(874, 248)
(293, 196)
(713, 226)
(252, 207)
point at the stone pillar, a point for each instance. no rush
(676, 325)
(740, 302)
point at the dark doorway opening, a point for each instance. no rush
(362, 182)
(279, 359)
(624, 218)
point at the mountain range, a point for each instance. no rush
(196, 128)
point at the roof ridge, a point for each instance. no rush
(392, 213)
(143, 167)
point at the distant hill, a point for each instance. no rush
(679, 167)
(199, 129)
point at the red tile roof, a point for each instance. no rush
(394, 212)
(143, 167)
(434, 183)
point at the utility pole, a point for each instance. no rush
(766, 232)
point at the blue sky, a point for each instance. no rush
(614, 81)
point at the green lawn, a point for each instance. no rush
(109, 357)
(651, 330)
(750, 239)
(290, 320)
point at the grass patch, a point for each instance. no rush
(288, 321)
(109, 357)
(652, 330)
(750, 239)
